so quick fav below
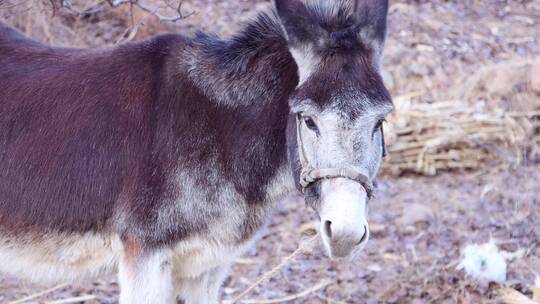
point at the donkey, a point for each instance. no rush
(161, 159)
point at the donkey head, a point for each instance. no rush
(337, 109)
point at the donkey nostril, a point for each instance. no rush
(363, 236)
(328, 229)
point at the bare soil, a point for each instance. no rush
(419, 225)
(443, 49)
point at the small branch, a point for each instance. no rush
(7, 5)
(179, 10)
(66, 4)
(80, 299)
(293, 297)
(54, 8)
(154, 11)
(329, 300)
(117, 3)
(39, 294)
(130, 33)
(301, 249)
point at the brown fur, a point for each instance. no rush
(164, 156)
(86, 134)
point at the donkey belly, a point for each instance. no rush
(60, 258)
(57, 258)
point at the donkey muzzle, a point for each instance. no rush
(344, 227)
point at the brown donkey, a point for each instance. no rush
(162, 158)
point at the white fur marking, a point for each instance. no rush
(147, 279)
(307, 62)
(344, 206)
(56, 258)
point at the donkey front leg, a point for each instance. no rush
(145, 275)
(204, 289)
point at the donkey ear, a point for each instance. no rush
(293, 16)
(371, 15)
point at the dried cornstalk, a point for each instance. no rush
(428, 137)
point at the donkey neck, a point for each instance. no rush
(248, 79)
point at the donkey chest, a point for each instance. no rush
(229, 235)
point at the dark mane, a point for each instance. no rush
(238, 52)
(264, 34)
(241, 70)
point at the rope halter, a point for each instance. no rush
(310, 174)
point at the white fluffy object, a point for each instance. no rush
(484, 262)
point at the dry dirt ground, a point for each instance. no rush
(419, 225)
(438, 49)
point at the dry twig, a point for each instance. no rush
(66, 4)
(39, 294)
(80, 299)
(293, 297)
(154, 11)
(131, 32)
(303, 247)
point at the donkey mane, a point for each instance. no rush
(243, 69)
(245, 46)
(235, 70)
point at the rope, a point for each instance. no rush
(301, 248)
(309, 175)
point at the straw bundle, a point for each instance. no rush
(427, 137)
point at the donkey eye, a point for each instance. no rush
(311, 124)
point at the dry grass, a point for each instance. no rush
(428, 137)
(493, 114)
